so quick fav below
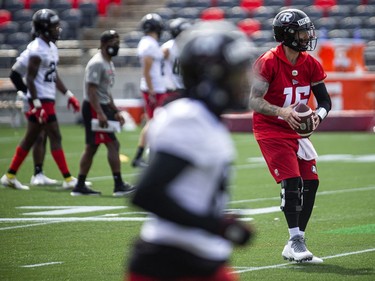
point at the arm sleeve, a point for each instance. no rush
(16, 79)
(322, 96)
(151, 193)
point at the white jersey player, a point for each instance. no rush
(171, 69)
(42, 80)
(186, 185)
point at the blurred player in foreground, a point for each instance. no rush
(42, 80)
(284, 77)
(186, 186)
(98, 104)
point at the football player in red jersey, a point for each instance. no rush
(284, 77)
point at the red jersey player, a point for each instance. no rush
(284, 77)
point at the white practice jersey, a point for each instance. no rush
(20, 66)
(186, 129)
(45, 81)
(172, 75)
(21, 63)
(149, 47)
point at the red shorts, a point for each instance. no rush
(49, 108)
(283, 162)
(222, 274)
(151, 106)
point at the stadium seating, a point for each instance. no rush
(314, 12)
(26, 27)
(212, 13)
(227, 3)
(89, 13)
(200, 4)
(9, 27)
(13, 5)
(262, 37)
(326, 22)
(2, 39)
(254, 17)
(273, 3)
(73, 17)
(236, 14)
(131, 39)
(364, 11)
(299, 4)
(177, 4)
(5, 16)
(325, 3)
(22, 16)
(18, 40)
(36, 5)
(191, 13)
(263, 13)
(60, 5)
(165, 13)
(249, 26)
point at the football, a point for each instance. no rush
(306, 114)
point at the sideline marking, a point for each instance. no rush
(293, 263)
(65, 210)
(319, 193)
(42, 221)
(41, 264)
(71, 219)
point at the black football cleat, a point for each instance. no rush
(123, 190)
(78, 191)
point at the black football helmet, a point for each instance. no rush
(215, 58)
(152, 23)
(294, 29)
(178, 25)
(46, 22)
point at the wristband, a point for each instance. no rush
(37, 103)
(69, 94)
(321, 112)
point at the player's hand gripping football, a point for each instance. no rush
(290, 116)
(316, 120)
(232, 229)
(72, 101)
(38, 111)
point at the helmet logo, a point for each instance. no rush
(286, 17)
(303, 21)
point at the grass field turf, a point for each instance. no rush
(94, 245)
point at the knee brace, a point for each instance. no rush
(310, 188)
(291, 195)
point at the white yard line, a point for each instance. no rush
(320, 193)
(243, 269)
(41, 264)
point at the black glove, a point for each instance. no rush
(235, 231)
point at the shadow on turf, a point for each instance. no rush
(335, 269)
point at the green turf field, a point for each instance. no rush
(46, 234)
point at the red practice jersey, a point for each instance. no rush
(287, 84)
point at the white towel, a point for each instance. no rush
(306, 150)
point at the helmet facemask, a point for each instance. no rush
(301, 40)
(53, 32)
